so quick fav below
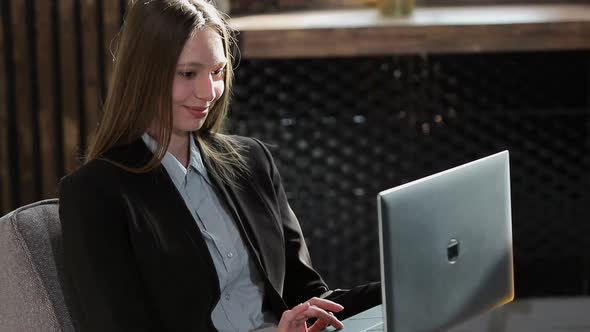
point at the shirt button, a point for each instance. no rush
(230, 254)
(227, 296)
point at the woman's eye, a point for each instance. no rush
(218, 72)
(186, 74)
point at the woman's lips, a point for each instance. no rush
(197, 112)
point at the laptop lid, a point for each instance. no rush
(446, 246)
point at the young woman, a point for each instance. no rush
(171, 225)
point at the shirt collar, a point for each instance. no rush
(196, 160)
(175, 169)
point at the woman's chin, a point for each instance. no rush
(190, 126)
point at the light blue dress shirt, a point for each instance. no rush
(240, 307)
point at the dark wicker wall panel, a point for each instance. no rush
(344, 129)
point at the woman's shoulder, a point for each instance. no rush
(96, 173)
(255, 157)
(252, 146)
(94, 167)
(110, 166)
(255, 151)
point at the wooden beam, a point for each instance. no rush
(354, 32)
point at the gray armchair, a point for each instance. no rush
(33, 287)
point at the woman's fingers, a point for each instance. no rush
(323, 316)
(294, 320)
(298, 309)
(296, 314)
(325, 304)
(320, 325)
(322, 310)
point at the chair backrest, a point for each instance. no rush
(33, 285)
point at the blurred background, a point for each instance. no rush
(351, 103)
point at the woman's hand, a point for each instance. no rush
(294, 320)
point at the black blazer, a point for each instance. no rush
(137, 259)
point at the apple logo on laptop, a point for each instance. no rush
(453, 251)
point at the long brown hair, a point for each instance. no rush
(140, 89)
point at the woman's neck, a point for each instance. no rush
(179, 147)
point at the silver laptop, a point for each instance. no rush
(446, 249)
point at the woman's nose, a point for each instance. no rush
(204, 88)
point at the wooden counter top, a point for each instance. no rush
(464, 29)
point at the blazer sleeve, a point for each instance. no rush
(108, 289)
(302, 281)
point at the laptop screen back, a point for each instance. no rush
(446, 246)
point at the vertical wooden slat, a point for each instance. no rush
(36, 164)
(47, 109)
(70, 88)
(11, 161)
(587, 199)
(90, 51)
(80, 78)
(4, 175)
(57, 91)
(22, 102)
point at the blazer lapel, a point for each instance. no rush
(168, 219)
(258, 226)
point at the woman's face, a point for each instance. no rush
(198, 81)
